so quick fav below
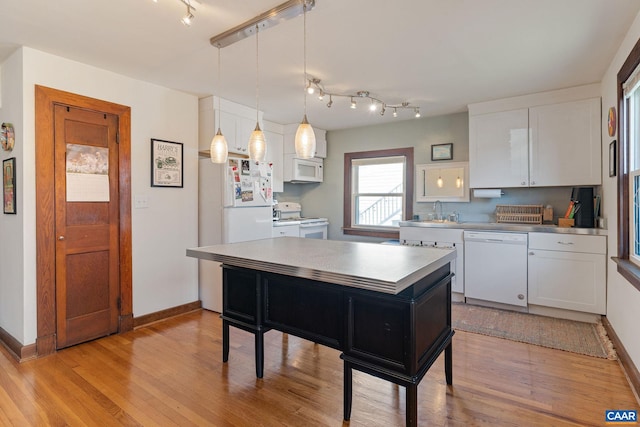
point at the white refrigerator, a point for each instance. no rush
(234, 206)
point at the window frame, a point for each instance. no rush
(387, 232)
(624, 265)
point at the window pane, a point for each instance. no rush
(378, 211)
(635, 215)
(384, 178)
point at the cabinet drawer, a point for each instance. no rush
(568, 242)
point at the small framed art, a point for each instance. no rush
(442, 152)
(9, 185)
(612, 158)
(166, 163)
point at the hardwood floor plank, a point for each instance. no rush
(171, 373)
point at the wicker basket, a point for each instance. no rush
(521, 214)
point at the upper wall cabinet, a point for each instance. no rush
(290, 137)
(498, 149)
(542, 145)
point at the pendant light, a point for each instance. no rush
(305, 141)
(218, 150)
(257, 143)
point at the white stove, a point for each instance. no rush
(289, 213)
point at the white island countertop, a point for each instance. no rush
(383, 268)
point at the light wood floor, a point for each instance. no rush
(170, 373)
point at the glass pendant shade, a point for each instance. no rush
(305, 141)
(218, 150)
(257, 145)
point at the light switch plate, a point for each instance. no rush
(141, 201)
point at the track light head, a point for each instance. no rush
(353, 104)
(188, 18)
(330, 103)
(417, 113)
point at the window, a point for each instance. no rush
(628, 167)
(631, 91)
(378, 191)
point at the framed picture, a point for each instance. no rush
(612, 158)
(166, 163)
(442, 152)
(9, 185)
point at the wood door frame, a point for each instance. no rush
(45, 99)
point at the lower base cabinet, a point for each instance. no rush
(568, 272)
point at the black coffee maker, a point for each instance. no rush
(582, 198)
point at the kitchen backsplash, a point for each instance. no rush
(483, 210)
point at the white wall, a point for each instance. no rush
(163, 276)
(12, 246)
(623, 300)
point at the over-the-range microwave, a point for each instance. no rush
(302, 170)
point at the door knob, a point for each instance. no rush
(60, 237)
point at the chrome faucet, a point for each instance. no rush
(435, 207)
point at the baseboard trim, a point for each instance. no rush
(625, 360)
(15, 348)
(165, 314)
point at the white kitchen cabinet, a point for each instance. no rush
(542, 145)
(498, 149)
(565, 144)
(275, 156)
(567, 271)
(290, 137)
(286, 230)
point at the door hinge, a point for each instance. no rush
(117, 137)
(119, 303)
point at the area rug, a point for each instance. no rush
(568, 335)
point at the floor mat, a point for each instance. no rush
(569, 335)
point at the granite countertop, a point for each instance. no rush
(499, 226)
(383, 268)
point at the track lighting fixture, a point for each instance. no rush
(188, 17)
(315, 83)
(321, 95)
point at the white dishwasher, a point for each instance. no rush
(495, 267)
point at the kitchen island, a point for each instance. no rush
(387, 308)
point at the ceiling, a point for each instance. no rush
(439, 55)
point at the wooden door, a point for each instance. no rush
(86, 224)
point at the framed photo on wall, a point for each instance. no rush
(9, 185)
(166, 163)
(612, 158)
(442, 152)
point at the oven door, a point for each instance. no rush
(314, 230)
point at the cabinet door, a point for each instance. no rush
(565, 144)
(244, 127)
(498, 149)
(290, 138)
(321, 143)
(569, 280)
(275, 156)
(227, 124)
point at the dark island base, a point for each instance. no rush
(393, 337)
